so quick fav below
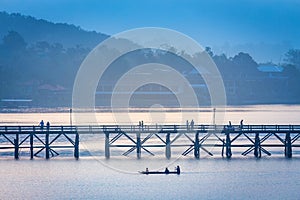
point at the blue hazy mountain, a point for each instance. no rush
(39, 61)
(35, 30)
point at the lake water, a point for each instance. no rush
(208, 178)
(272, 178)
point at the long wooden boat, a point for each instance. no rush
(158, 172)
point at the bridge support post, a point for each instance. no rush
(107, 150)
(223, 147)
(228, 145)
(16, 143)
(138, 145)
(31, 143)
(47, 148)
(168, 146)
(76, 146)
(197, 146)
(257, 149)
(288, 146)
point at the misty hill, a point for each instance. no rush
(39, 61)
(34, 30)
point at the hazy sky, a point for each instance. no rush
(226, 25)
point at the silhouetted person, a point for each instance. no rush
(147, 170)
(187, 124)
(241, 124)
(178, 169)
(167, 171)
(230, 127)
(42, 124)
(192, 124)
(48, 125)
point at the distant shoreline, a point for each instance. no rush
(229, 108)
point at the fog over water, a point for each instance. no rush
(257, 114)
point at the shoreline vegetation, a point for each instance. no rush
(228, 108)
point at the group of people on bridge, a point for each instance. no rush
(231, 128)
(190, 126)
(42, 125)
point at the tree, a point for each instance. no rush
(209, 51)
(13, 41)
(246, 63)
(293, 57)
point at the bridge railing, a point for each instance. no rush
(145, 128)
(38, 129)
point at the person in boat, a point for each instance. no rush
(167, 171)
(178, 169)
(147, 170)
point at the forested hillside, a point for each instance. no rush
(39, 61)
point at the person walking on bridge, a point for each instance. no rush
(192, 124)
(42, 124)
(48, 126)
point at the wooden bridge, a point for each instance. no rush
(258, 139)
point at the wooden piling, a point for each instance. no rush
(288, 146)
(107, 151)
(228, 144)
(168, 146)
(16, 143)
(197, 146)
(257, 148)
(47, 148)
(76, 146)
(31, 143)
(138, 145)
(223, 147)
